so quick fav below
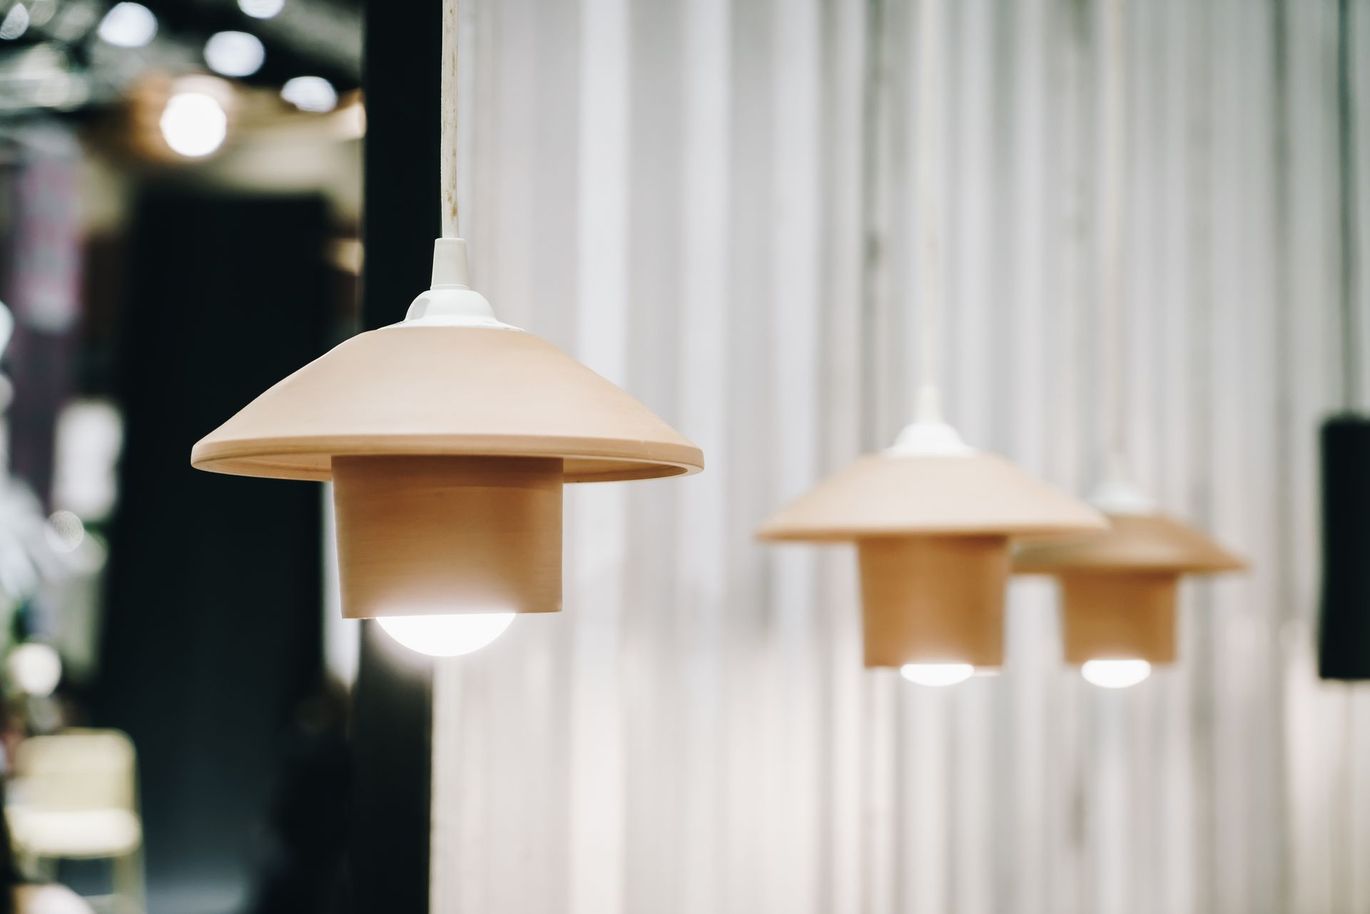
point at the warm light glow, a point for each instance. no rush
(234, 53)
(194, 124)
(310, 93)
(128, 25)
(1115, 674)
(446, 636)
(35, 668)
(261, 9)
(936, 674)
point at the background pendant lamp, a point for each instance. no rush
(932, 520)
(931, 517)
(1344, 623)
(1118, 590)
(448, 438)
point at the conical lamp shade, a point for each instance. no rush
(1118, 590)
(932, 520)
(448, 437)
(428, 389)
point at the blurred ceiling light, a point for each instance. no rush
(40, 12)
(90, 436)
(194, 124)
(234, 53)
(310, 93)
(15, 23)
(35, 668)
(65, 532)
(128, 25)
(261, 9)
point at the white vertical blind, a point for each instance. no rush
(673, 191)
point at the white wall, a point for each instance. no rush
(671, 189)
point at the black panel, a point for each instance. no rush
(392, 701)
(1344, 636)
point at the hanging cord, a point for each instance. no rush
(873, 79)
(1346, 140)
(447, 166)
(929, 165)
(1112, 219)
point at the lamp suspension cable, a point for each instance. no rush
(1112, 218)
(1346, 140)
(447, 166)
(929, 165)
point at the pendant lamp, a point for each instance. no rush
(1119, 589)
(931, 517)
(448, 437)
(1344, 442)
(932, 520)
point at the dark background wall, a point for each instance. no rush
(212, 637)
(392, 706)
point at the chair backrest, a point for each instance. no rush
(76, 769)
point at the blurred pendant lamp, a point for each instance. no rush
(448, 437)
(1118, 590)
(1344, 626)
(931, 517)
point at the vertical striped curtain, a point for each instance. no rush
(711, 203)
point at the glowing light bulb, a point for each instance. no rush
(128, 25)
(446, 636)
(261, 9)
(35, 668)
(194, 124)
(310, 93)
(1115, 674)
(234, 53)
(936, 674)
(15, 23)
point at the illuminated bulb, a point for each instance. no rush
(15, 23)
(310, 93)
(234, 53)
(194, 124)
(1115, 674)
(35, 668)
(261, 9)
(128, 25)
(936, 674)
(65, 532)
(446, 636)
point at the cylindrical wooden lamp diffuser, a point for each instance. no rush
(932, 527)
(933, 599)
(439, 535)
(448, 437)
(1118, 616)
(1118, 590)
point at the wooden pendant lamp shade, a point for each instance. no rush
(416, 389)
(448, 438)
(1118, 590)
(932, 533)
